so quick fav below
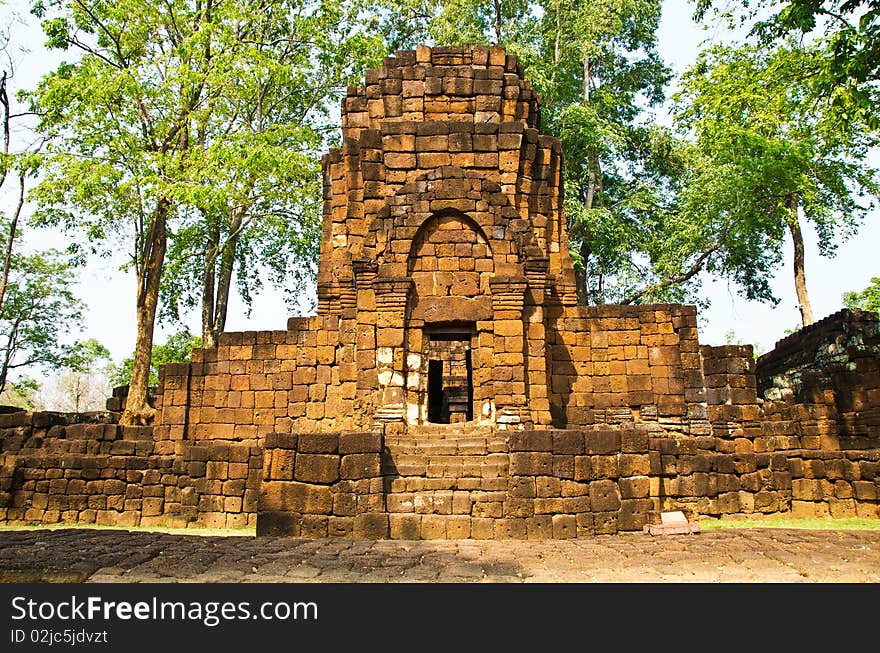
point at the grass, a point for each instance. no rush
(813, 523)
(203, 532)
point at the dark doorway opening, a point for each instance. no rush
(435, 393)
(450, 375)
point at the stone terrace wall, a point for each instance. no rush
(696, 476)
(520, 485)
(554, 483)
(513, 484)
(777, 456)
(256, 383)
(57, 467)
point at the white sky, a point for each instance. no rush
(109, 293)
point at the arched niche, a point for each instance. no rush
(450, 263)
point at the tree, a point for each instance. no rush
(769, 150)
(177, 349)
(156, 127)
(867, 300)
(117, 118)
(37, 304)
(480, 21)
(252, 201)
(38, 308)
(22, 393)
(84, 385)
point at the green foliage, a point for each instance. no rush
(177, 349)
(88, 356)
(846, 32)
(22, 393)
(39, 309)
(192, 132)
(762, 139)
(597, 68)
(475, 22)
(252, 197)
(867, 300)
(731, 338)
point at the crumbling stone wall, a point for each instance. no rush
(835, 363)
(617, 364)
(58, 467)
(443, 208)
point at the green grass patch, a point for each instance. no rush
(815, 523)
(204, 532)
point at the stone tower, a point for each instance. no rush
(444, 245)
(445, 286)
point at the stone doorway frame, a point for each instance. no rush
(456, 389)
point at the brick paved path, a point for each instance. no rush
(753, 555)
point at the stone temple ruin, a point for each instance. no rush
(450, 386)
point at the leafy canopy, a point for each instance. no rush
(867, 299)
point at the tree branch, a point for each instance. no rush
(684, 276)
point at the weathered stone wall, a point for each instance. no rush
(801, 482)
(616, 364)
(836, 363)
(57, 467)
(483, 485)
(255, 383)
(323, 485)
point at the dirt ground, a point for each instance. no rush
(741, 555)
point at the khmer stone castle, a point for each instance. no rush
(450, 386)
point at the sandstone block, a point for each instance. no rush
(317, 468)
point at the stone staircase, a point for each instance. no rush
(440, 476)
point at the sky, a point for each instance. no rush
(109, 293)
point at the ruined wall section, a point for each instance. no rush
(445, 134)
(262, 382)
(468, 108)
(834, 363)
(621, 364)
(81, 468)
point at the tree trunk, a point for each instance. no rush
(800, 280)
(227, 264)
(212, 246)
(498, 22)
(137, 409)
(8, 352)
(219, 268)
(13, 226)
(580, 275)
(4, 100)
(593, 198)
